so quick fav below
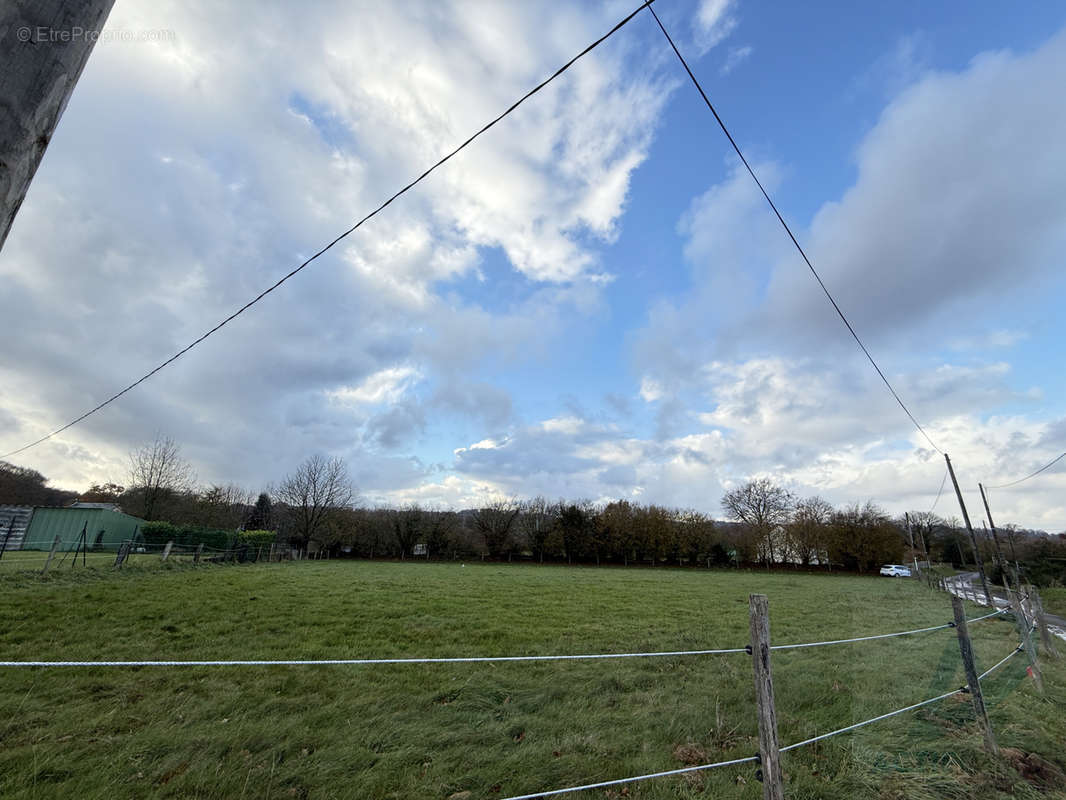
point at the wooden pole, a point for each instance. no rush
(995, 533)
(123, 551)
(910, 535)
(1027, 640)
(197, 554)
(82, 541)
(973, 536)
(166, 550)
(10, 529)
(972, 681)
(769, 753)
(51, 555)
(1046, 639)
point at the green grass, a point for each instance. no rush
(433, 731)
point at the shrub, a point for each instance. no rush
(186, 536)
(257, 538)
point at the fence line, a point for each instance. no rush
(291, 662)
(619, 781)
(804, 743)
(758, 758)
(364, 661)
(814, 739)
(861, 638)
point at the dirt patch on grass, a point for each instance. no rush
(1035, 769)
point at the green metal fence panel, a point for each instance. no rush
(105, 530)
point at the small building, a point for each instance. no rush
(105, 506)
(104, 529)
(14, 520)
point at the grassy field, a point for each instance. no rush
(493, 730)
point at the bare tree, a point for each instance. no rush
(225, 506)
(157, 474)
(808, 532)
(762, 506)
(494, 523)
(312, 493)
(407, 525)
(535, 524)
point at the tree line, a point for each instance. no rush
(314, 509)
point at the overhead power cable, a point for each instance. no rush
(355, 227)
(939, 491)
(791, 236)
(1031, 475)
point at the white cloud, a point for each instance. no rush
(223, 159)
(944, 211)
(714, 22)
(650, 390)
(385, 386)
(736, 57)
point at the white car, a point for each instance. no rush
(896, 571)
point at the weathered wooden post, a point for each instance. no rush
(1027, 640)
(972, 681)
(10, 529)
(769, 752)
(1046, 640)
(198, 553)
(51, 555)
(973, 536)
(123, 551)
(166, 550)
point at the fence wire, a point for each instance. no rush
(634, 779)
(364, 661)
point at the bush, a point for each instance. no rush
(257, 538)
(186, 536)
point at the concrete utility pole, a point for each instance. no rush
(44, 45)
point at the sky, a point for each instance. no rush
(592, 300)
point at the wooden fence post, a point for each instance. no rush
(1045, 635)
(10, 529)
(123, 551)
(974, 683)
(769, 753)
(51, 555)
(1027, 640)
(198, 553)
(166, 550)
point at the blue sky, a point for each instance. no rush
(591, 301)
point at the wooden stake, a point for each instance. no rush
(972, 681)
(10, 528)
(995, 536)
(770, 755)
(910, 535)
(1046, 640)
(1027, 640)
(123, 551)
(199, 551)
(166, 550)
(973, 536)
(51, 555)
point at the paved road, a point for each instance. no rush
(968, 585)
